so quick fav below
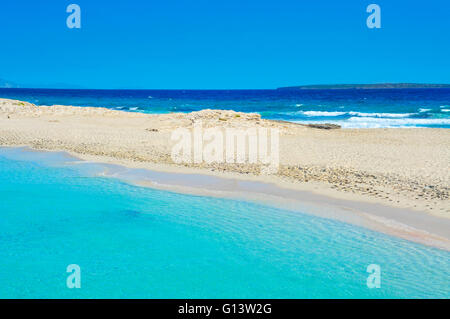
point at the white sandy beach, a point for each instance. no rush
(401, 169)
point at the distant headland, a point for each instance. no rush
(367, 86)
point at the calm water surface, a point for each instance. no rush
(134, 242)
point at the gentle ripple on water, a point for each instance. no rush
(136, 242)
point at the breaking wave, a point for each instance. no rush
(373, 122)
(354, 113)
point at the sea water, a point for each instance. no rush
(137, 242)
(350, 108)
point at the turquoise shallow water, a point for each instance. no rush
(134, 242)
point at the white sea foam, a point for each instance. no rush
(358, 114)
(424, 110)
(322, 113)
(378, 115)
(373, 122)
(133, 108)
(445, 110)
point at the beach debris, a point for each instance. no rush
(325, 126)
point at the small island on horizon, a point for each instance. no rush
(367, 86)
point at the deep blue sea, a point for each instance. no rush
(349, 108)
(136, 242)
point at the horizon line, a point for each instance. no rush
(303, 86)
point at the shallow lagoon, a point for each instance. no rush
(137, 242)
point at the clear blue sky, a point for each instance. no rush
(223, 44)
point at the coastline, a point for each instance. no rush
(406, 224)
(168, 231)
(391, 180)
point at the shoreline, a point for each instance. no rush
(406, 224)
(412, 225)
(399, 169)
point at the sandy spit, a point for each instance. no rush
(402, 168)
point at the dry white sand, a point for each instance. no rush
(400, 168)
